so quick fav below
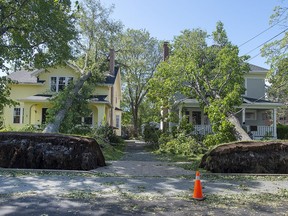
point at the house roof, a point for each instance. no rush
(45, 97)
(23, 76)
(110, 79)
(36, 98)
(247, 103)
(259, 103)
(98, 97)
(254, 100)
(30, 77)
(255, 68)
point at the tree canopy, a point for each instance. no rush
(97, 33)
(213, 74)
(35, 32)
(139, 54)
(277, 57)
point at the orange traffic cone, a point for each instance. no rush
(198, 195)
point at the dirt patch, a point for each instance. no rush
(248, 157)
(49, 151)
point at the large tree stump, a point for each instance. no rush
(248, 157)
(49, 151)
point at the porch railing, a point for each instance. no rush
(202, 129)
(261, 132)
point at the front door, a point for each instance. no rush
(44, 113)
(196, 117)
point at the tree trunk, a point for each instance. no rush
(240, 133)
(135, 121)
(53, 127)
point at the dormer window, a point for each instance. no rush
(58, 83)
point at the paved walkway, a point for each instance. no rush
(139, 184)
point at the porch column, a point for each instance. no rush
(101, 115)
(180, 113)
(274, 123)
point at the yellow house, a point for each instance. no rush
(33, 90)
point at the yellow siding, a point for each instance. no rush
(56, 72)
(33, 110)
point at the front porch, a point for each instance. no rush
(258, 119)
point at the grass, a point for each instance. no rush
(112, 152)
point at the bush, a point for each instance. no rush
(182, 145)
(151, 134)
(32, 128)
(282, 131)
(107, 133)
(183, 128)
(223, 135)
(81, 129)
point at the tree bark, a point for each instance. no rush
(135, 121)
(53, 127)
(240, 133)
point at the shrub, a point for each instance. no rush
(224, 134)
(29, 128)
(182, 145)
(81, 129)
(184, 127)
(107, 133)
(151, 133)
(282, 131)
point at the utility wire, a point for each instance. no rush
(261, 33)
(248, 60)
(267, 41)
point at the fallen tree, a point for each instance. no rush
(212, 74)
(248, 157)
(49, 151)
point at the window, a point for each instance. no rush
(187, 115)
(196, 117)
(86, 120)
(58, 83)
(117, 121)
(266, 116)
(253, 128)
(250, 115)
(18, 117)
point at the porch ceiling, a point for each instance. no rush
(261, 105)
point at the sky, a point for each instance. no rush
(165, 19)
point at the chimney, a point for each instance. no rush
(112, 61)
(166, 51)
